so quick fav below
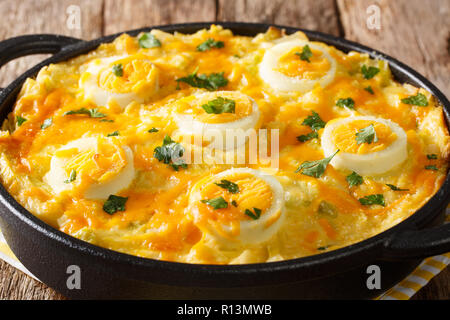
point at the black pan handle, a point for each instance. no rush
(418, 244)
(33, 44)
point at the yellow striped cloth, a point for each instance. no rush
(404, 290)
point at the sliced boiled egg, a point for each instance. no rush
(94, 167)
(239, 205)
(122, 79)
(213, 114)
(285, 68)
(368, 145)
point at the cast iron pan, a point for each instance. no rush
(341, 274)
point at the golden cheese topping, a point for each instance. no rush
(328, 148)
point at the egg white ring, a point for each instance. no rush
(189, 126)
(253, 231)
(371, 163)
(56, 175)
(102, 97)
(282, 82)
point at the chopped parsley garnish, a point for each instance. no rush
(309, 136)
(152, 130)
(432, 156)
(323, 248)
(47, 123)
(216, 203)
(370, 72)
(373, 199)
(418, 100)
(228, 185)
(220, 105)
(117, 69)
(395, 188)
(93, 113)
(354, 179)
(147, 40)
(106, 120)
(72, 176)
(434, 168)
(254, 215)
(369, 89)
(170, 153)
(346, 103)
(114, 204)
(113, 134)
(305, 54)
(20, 120)
(315, 168)
(366, 135)
(314, 121)
(209, 44)
(234, 203)
(210, 82)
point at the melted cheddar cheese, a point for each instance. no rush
(86, 147)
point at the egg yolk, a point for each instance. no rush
(344, 137)
(253, 193)
(195, 106)
(132, 74)
(99, 165)
(291, 64)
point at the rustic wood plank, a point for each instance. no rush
(16, 285)
(319, 15)
(120, 15)
(415, 33)
(45, 16)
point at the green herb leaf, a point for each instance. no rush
(366, 135)
(370, 72)
(153, 130)
(113, 134)
(106, 120)
(373, 199)
(314, 121)
(369, 89)
(170, 153)
(147, 40)
(234, 203)
(315, 168)
(210, 82)
(309, 136)
(72, 176)
(354, 179)
(228, 185)
(418, 100)
(323, 248)
(20, 120)
(305, 54)
(220, 105)
(395, 188)
(216, 203)
(346, 103)
(255, 215)
(209, 44)
(114, 204)
(117, 69)
(434, 168)
(47, 123)
(93, 113)
(432, 156)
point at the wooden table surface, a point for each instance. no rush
(414, 31)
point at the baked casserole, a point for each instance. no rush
(214, 148)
